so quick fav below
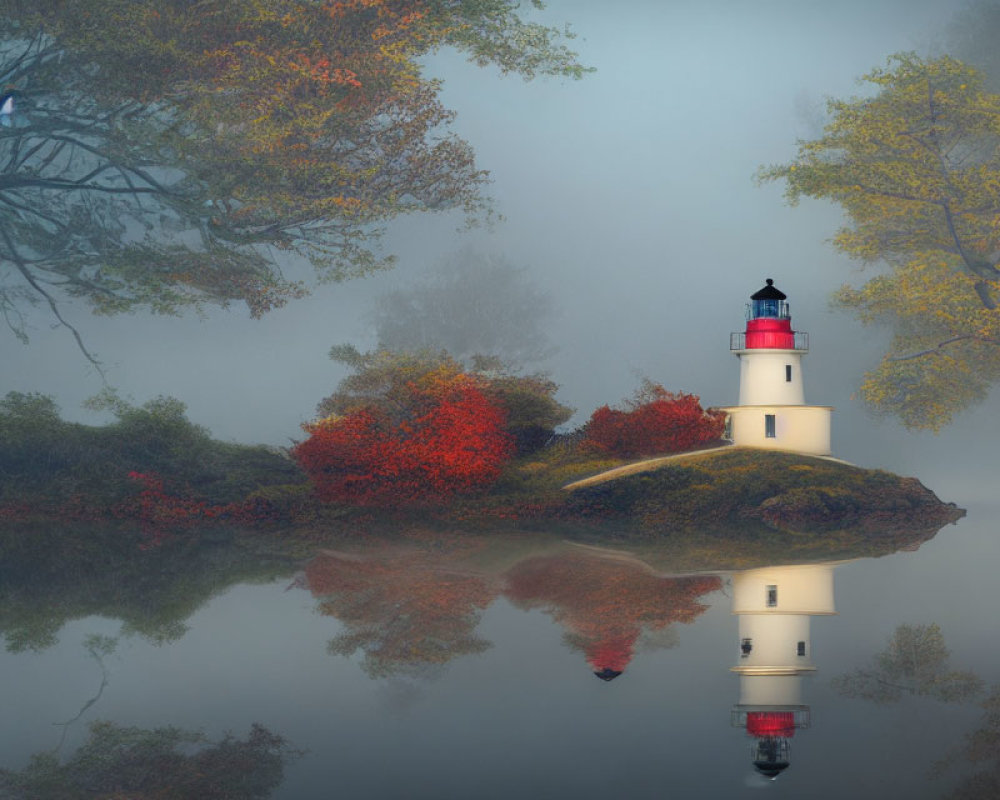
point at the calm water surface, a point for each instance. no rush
(537, 668)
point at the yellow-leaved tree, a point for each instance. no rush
(916, 168)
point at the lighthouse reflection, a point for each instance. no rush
(406, 606)
(775, 606)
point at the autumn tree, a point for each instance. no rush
(471, 304)
(163, 153)
(381, 378)
(916, 168)
(653, 422)
(428, 434)
(451, 442)
(407, 428)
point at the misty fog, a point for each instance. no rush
(628, 196)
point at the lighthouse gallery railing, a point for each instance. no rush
(738, 341)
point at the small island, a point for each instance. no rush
(420, 441)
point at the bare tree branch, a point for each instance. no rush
(938, 348)
(50, 300)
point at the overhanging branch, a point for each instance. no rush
(939, 347)
(53, 306)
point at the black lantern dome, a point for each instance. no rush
(769, 302)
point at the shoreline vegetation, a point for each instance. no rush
(701, 516)
(160, 479)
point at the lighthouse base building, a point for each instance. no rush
(803, 429)
(772, 413)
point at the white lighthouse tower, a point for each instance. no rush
(775, 605)
(772, 412)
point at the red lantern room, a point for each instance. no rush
(771, 723)
(771, 726)
(769, 324)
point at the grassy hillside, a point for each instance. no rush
(742, 501)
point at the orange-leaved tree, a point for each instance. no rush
(162, 169)
(654, 421)
(420, 436)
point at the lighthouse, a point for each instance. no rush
(772, 413)
(775, 605)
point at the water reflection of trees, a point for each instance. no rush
(117, 762)
(401, 610)
(408, 600)
(914, 662)
(99, 647)
(982, 748)
(605, 604)
(50, 575)
(163, 763)
(406, 608)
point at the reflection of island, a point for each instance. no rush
(605, 604)
(774, 605)
(52, 574)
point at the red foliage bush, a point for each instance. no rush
(162, 514)
(449, 439)
(659, 422)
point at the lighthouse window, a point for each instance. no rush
(746, 646)
(801, 649)
(769, 426)
(766, 308)
(772, 596)
(788, 373)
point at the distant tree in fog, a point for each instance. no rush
(972, 37)
(810, 113)
(471, 304)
